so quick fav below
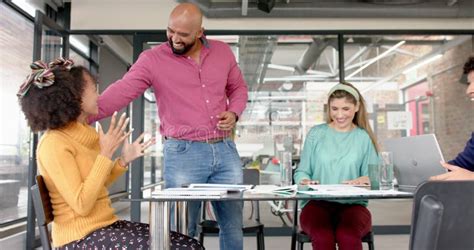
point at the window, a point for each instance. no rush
(78, 59)
(79, 51)
(417, 103)
(15, 57)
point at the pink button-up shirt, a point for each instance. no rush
(189, 96)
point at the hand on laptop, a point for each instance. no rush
(456, 173)
(361, 181)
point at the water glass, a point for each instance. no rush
(286, 170)
(374, 176)
(386, 170)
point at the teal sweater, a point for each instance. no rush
(332, 157)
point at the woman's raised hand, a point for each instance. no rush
(136, 149)
(110, 141)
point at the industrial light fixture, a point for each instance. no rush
(287, 86)
(265, 5)
(292, 69)
(375, 59)
(424, 62)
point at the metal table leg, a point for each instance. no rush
(159, 225)
(181, 214)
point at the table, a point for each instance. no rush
(160, 208)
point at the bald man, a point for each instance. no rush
(200, 93)
(462, 167)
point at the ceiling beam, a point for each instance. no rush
(340, 9)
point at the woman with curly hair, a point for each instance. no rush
(77, 162)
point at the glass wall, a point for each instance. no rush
(15, 57)
(78, 59)
(153, 159)
(287, 76)
(410, 83)
(80, 43)
(16, 51)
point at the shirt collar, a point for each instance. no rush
(205, 42)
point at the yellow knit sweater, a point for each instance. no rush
(77, 178)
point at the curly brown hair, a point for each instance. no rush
(55, 106)
(469, 65)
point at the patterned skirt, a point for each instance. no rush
(128, 235)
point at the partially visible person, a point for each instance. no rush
(462, 167)
(77, 163)
(337, 152)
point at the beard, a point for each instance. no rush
(183, 50)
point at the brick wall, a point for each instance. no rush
(453, 111)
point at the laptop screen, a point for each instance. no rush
(415, 159)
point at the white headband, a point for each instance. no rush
(346, 88)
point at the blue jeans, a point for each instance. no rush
(187, 162)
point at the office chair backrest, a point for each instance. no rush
(251, 176)
(43, 210)
(443, 216)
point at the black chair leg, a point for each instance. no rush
(260, 241)
(201, 238)
(300, 245)
(371, 245)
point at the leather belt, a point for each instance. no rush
(209, 141)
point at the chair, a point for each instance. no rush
(443, 216)
(251, 176)
(301, 237)
(43, 210)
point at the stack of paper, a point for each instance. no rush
(188, 193)
(336, 189)
(212, 186)
(346, 190)
(273, 189)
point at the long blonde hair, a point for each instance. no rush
(361, 118)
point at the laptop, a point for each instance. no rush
(415, 159)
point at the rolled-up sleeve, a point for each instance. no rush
(236, 89)
(122, 92)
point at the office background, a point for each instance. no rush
(405, 58)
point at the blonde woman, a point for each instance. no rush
(336, 152)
